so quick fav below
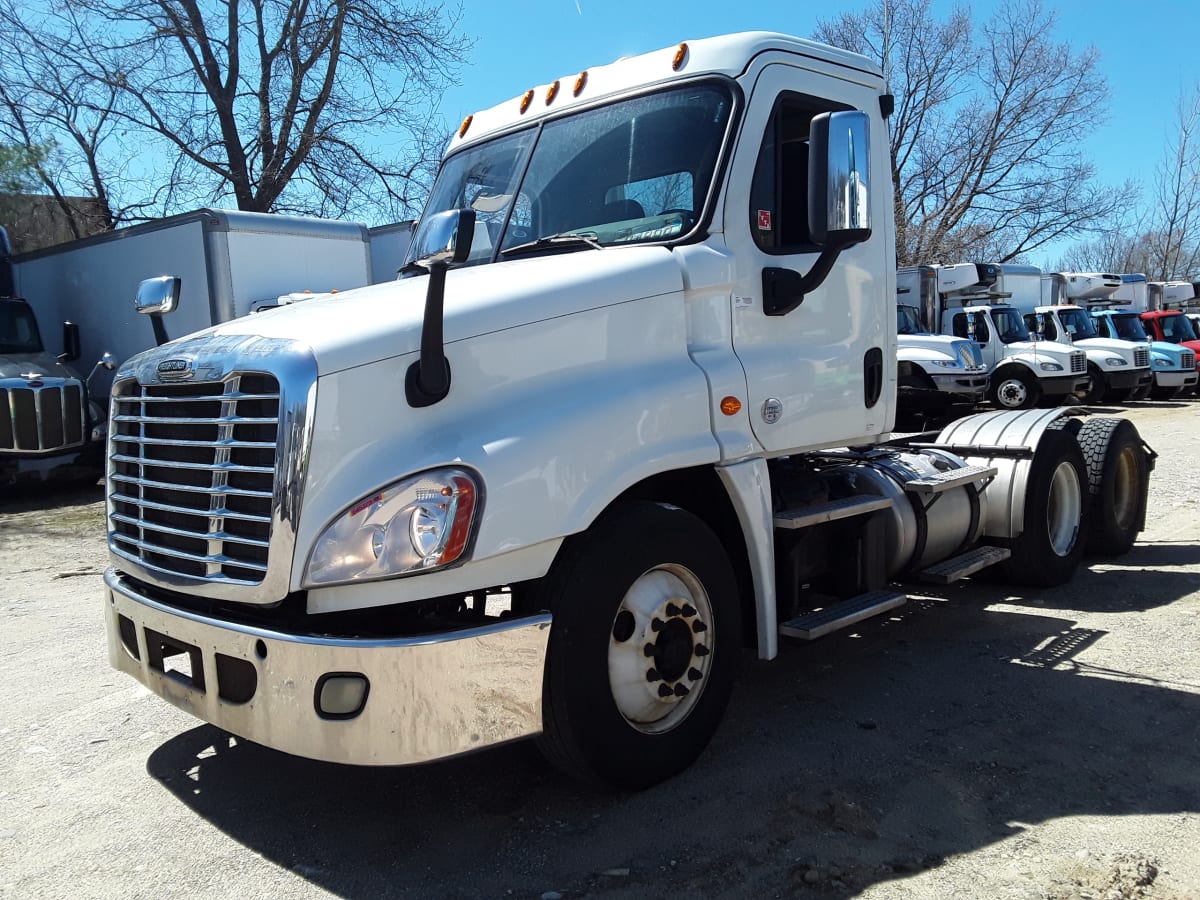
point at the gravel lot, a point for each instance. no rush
(979, 744)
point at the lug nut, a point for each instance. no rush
(664, 690)
(656, 624)
(700, 650)
(653, 676)
(650, 650)
(689, 610)
(672, 609)
(699, 626)
(680, 690)
(694, 674)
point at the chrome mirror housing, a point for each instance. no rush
(158, 296)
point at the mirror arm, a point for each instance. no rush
(785, 289)
(427, 380)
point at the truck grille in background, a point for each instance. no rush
(192, 476)
(1141, 357)
(41, 419)
(1078, 362)
(1187, 360)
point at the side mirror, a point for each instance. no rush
(839, 188)
(158, 296)
(444, 239)
(71, 348)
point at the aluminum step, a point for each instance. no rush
(819, 513)
(811, 626)
(935, 484)
(964, 564)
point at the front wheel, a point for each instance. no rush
(1095, 389)
(1015, 389)
(643, 646)
(1052, 541)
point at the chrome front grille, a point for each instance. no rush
(1187, 360)
(41, 418)
(192, 476)
(1078, 362)
(1141, 357)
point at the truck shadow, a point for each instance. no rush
(856, 760)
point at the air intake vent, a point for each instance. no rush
(192, 476)
(1078, 362)
(1187, 360)
(1141, 357)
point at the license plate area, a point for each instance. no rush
(175, 659)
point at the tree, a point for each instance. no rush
(986, 162)
(324, 107)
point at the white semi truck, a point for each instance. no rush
(1117, 369)
(969, 300)
(629, 412)
(935, 372)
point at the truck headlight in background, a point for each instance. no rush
(1162, 363)
(1051, 367)
(1115, 361)
(421, 523)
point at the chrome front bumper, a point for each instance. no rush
(429, 697)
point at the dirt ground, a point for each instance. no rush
(979, 743)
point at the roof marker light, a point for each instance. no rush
(526, 100)
(551, 93)
(680, 56)
(580, 82)
(466, 123)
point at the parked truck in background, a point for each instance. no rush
(50, 427)
(630, 410)
(1174, 367)
(230, 263)
(935, 372)
(1117, 369)
(969, 300)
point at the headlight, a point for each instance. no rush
(1051, 367)
(1116, 361)
(945, 363)
(421, 523)
(1162, 363)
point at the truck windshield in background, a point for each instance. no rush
(1010, 327)
(18, 329)
(1177, 329)
(1129, 327)
(1078, 324)
(908, 321)
(636, 171)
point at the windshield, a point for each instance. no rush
(1009, 326)
(18, 329)
(1129, 327)
(907, 321)
(1077, 323)
(1177, 329)
(636, 171)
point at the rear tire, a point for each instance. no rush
(1118, 483)
(1051, 546)
(643, 646)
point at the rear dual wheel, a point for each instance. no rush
(643, 646)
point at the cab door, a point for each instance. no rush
(822, 374)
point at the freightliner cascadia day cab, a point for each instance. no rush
(629, 412)
(1174, 365)
(1117, 369)
(970, 300)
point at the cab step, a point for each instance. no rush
(964, 564)
(811, 626)
(935, 484)
(820, 513)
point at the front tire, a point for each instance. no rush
(1094, 391)
(643, 646)
(1015, 389)
(1052, 543)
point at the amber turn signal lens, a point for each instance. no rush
(462, 129)
(680, 56)
(731, 406)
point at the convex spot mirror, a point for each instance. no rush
(158, 296)
(444, 239)
(839, 190)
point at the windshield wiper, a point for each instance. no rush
(564, 240)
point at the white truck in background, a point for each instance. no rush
(629, 410)
(1117, 369)
(229, 263)
(935, 372)
(970, 300)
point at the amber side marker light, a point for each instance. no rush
(580, 82)
(526, 100)
(466, 123)
(731, 406)
(680, 56)
(551, 93)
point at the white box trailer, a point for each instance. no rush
(228, 262)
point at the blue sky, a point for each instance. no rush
(522, 45)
